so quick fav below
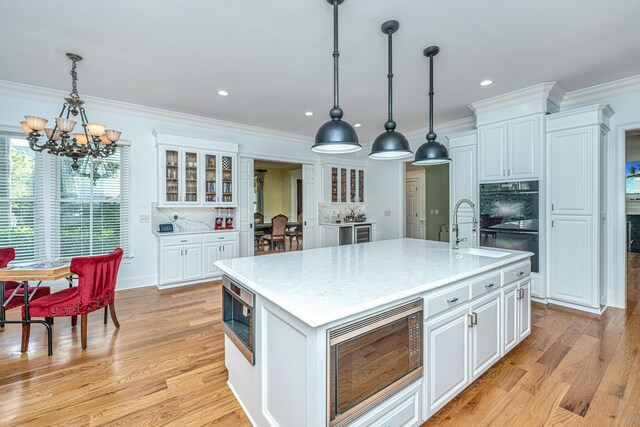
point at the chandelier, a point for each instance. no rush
(94, 139)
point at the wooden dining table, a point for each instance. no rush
(265, 226)
(23, 272)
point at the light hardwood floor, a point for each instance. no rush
(165, 366)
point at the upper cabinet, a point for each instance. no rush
(510, 150)
(191, 176)
(343, 184)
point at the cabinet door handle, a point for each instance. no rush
(470, 320)
(474, 319)
(504, 172)
(181, 252)
(509, 172)
(452, 300)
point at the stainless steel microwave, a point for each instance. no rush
(372, 358)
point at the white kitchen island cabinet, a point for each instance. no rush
(298, 324)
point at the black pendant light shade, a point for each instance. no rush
(390, 145)
(431, 152)
(336, 136)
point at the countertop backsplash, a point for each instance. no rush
(189, 219)
(327, 212)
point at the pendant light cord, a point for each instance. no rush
(390, 77)
(431, 136)
(336, 55)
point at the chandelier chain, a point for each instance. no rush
(74, 81)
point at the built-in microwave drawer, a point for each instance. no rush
(516, 273)
(486, 284)
(219, 237)
(454, 297)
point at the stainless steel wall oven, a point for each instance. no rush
(371, 358)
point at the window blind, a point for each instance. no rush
(22, 220)
(91, 206)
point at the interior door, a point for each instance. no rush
(413, 200)
(245, 211)
(310, 207)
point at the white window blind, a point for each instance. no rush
(91, 206)
(22, 222)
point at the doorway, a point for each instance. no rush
(277, 207)
(427, 202)
(632, 215)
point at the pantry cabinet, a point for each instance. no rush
(510, 150)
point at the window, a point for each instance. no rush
(87, 211)
(91, 205)
(21, 201)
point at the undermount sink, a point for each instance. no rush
(483, 252)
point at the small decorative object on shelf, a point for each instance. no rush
(94, 139)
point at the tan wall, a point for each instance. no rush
(437, 189)
(277, 191)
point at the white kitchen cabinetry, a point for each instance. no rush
(463, 149)
(447, 357)
(196, 172)
(189, 258)
(576, 256)
(510, 150)
(343, 184)
(509, 317)
(485, 333)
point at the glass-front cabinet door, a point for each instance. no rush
(334, 185)
(210, 178)
(172, 187)
(190, 166)
(227, 193)
(343, 185)
(361, 186)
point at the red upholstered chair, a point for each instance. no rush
(6, 256)
(96, 289)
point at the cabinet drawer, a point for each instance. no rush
(400, 410)
(219, 237)
(484, 285)
(451, 298)
(518, 272)
(187, 239)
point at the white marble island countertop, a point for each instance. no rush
(320, 286)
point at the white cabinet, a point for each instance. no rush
(524, 309)
(343, 184)
(463, 149)
(171, 263)
(190, 258)
(196, 177)
(509, 317)
(576, 188)
(510, 150)
(485, 333)
(447, 357)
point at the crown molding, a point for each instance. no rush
(543, 92)
(590, 115)
(38, 93)
(602, 91)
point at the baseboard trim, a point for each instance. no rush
(578, 307)
(191, 283)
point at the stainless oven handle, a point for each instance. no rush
(489, 230)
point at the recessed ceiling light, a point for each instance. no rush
(309, 113)
(486, 82)
(223, 93)
(357, 125)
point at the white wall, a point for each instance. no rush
(137, 124)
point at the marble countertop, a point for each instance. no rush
(333, 224)
(320, 286)
(185, 232)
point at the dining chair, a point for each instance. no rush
(258, 218)
(278, 229)
(296, 232)
(96, 289)
(6, 256)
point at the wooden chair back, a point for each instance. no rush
(279, 225)
(258, 218)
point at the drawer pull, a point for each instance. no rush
(520, 274)
(452, 300)
(183, 241)
(489, 286)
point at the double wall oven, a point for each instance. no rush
(371, 358)
(509, 217)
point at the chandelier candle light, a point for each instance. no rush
(94, 139)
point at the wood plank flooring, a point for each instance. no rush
(165, 366)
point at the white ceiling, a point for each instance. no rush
(274, 57)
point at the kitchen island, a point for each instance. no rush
(435, 320)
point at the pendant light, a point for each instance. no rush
(390, 145)
(431, 152)
(336, 136)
